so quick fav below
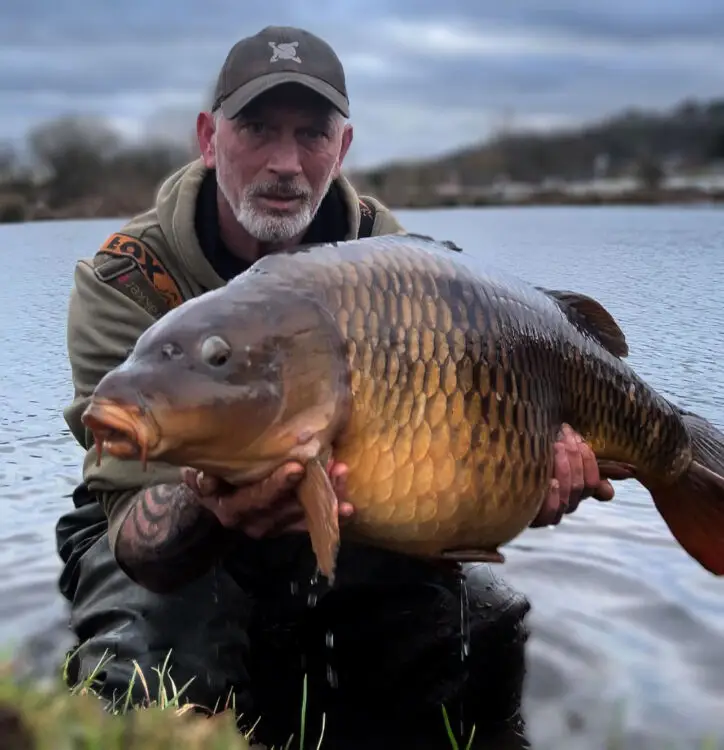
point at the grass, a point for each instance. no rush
(75, 718)
(62, 718)
(58, 717)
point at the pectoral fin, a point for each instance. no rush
(319, 501)
(616, 470)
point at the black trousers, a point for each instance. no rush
(382, 652)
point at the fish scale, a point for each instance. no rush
(441, 385)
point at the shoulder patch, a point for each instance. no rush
(367, 213)
(131, 248)
(365, 207)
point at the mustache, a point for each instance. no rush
(282, 190)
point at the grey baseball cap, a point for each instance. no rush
(276, 55)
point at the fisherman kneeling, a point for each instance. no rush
(225, 580)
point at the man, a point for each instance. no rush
(224, 577)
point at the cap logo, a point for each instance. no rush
(284, 51)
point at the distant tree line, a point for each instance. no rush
(83, 167)
(645, 146)
(74, 167)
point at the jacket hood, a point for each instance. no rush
(176, 210)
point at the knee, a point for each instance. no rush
(494, 606)
(126, 634)
(498, 635)
(497, 623)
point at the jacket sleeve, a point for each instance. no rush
(102, 326)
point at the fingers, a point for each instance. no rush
(273, 507)
(345, 510)
(593, 485)
(285, 478)
(576, 475)
(200, 483)
(285, 516)
(338, 477)
(237, 507)
(573, 480)
(562, 471)
(282, 514)
(604, 491)
(557, 500)
(191, 478)
(268, 507)
(549, 513)
(585, 474)
(591, 474)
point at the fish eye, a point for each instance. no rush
(215, 351)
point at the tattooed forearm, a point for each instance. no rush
(167, 539)
(159, 518)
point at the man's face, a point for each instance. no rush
(276, 160)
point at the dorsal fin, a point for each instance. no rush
(592, 317)
(449, 244)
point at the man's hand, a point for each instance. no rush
(575, 477)
(267, 508)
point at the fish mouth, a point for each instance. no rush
(123, 430)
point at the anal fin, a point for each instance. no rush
(319, 501)
(473, 555)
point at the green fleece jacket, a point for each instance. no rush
(104, 324)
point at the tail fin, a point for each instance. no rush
(693, 507)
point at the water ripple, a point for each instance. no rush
(619, 611)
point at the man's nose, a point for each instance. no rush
(285, 160)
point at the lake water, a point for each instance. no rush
(620, 614)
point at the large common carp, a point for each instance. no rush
(441, 385)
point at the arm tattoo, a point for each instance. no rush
(167, 539)
(159, 518)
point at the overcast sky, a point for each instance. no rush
(424, 77)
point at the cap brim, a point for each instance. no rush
(236, 101)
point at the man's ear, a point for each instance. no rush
(205, 130)
(347, 137)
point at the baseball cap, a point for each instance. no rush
(276, 55)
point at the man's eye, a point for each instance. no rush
(256, 128)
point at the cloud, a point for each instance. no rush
(423, 77)
(614, 19)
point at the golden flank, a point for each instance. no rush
(442, 386)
